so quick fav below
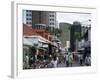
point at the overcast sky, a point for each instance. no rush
(70, 17)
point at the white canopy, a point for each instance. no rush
(38, 38)
(27, 42)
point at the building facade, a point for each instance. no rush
(27, 17)
(39, 19)
(75, 35)
(52, 19)
(65, 34)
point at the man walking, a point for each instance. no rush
(67, 60)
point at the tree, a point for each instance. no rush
(77, 35)
(58, 32)
(54, 31)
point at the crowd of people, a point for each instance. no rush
(79, 59)
(41, 60)
(45, 60)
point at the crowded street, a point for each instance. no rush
(57, 44)
(49, 61)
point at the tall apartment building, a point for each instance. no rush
(52, 19)
(39, 19)
(27, 17)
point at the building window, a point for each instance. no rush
(30, 23)
(28, 14)
(28, 11)
(51, 19)
(50, 23)
(27, 23)
(51, 15)
(27, 18)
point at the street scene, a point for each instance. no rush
(56, 39)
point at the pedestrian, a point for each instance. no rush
(49, 63)
(31, 61)
(88, 60)
(54, 61)
(67, 60)
(81, 59)
(27, 61)
(70, 59)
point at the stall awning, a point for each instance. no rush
(39, 38)
(27, 42)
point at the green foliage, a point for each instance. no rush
(54, 31)
(58, 32)
(77, 35)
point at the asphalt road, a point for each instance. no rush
(75, 64)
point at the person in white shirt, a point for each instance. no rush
(54, 62)
(27, 61)
(88, 60)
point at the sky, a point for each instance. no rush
(71, 17)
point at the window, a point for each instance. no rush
(30, 18)
(52, 23)
(30, 23)
(51, 19)
(51, 15)
(28, 14)
(27, 18)
(26, 22)
(28, 11)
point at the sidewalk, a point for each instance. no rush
(75, 64)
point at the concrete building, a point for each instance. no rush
(39, 19)
(52, 19)
(65, 34)
(75, 35)
(27, 17)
